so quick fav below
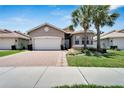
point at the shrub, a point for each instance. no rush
(118, 50)
(88, 52)
(71, 53)
(103, 51)
(74, 52)
(92, 49)
(95, 49)
(97, 54)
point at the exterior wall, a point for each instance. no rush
(22, 43)
(51, 32)
(119, 42)
(90, 38)
(107, 43)
(6, 43)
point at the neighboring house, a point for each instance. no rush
(113, 38)
(10, 38)
(47, 37)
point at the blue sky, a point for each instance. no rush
(23, 18)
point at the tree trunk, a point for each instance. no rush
(85, 38)
(98, 39)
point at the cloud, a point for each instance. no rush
(16, 20)
(67, 17)
(58, 12)
(113, 7)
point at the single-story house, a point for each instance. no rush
(47, 37)
(13, 38)
(113, 38)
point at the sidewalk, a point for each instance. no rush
(39, 77)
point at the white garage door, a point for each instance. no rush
(6, 43)
(47, 43)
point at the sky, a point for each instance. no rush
(23, 18)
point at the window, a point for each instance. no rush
(82, 41)
(87, 41)
(77, 38)
(77, 42)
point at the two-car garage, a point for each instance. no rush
(47, 43)
(46, 37)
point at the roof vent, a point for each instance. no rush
(46, 29)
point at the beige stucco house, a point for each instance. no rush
(113, 38)
(47, 37)
(13, 38)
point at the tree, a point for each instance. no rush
(82, 17)
(101, 17)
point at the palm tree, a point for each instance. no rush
(102, 17)
(82, 17)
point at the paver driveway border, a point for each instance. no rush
(39, 77)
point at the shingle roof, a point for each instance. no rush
(12, 34)
(112, 34)
(80, 32)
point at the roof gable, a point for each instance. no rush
(46, 24)
(12, 34)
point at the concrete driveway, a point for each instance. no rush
(35, 58)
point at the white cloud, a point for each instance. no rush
(113, 7)
(18, 19)
(58, 12)
(67, 17)
(15, 20)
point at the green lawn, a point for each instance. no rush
(111, 59)
(9, 52)
(88, 86)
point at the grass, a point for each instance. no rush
(88, 86)
(9, 52)
(110, 59)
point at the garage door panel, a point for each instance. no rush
(47, 43)
(6, 43)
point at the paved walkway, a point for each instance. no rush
(39, 77)
(35, 58)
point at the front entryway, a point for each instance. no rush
(47, 43)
